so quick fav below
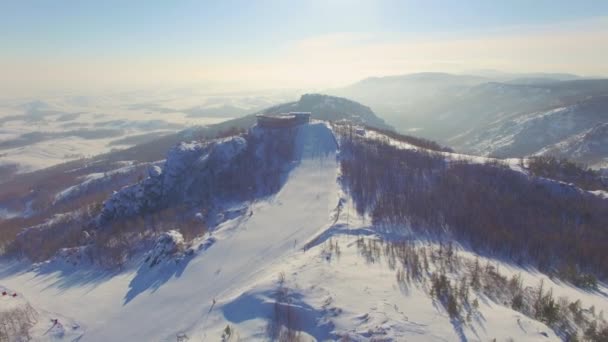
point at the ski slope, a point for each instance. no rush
(153, 304)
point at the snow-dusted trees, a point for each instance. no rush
(567, 171)
(15, 324)
(283, 324)
(416, 141)
(261, 168)
(42, 241)
(457, 284)
(491, 207)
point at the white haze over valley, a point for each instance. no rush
(39, 132)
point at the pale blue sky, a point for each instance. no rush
(209, 36)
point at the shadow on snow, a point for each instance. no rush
(261, 305)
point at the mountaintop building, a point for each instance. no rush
(283, 120)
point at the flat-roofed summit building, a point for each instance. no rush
(283, 120)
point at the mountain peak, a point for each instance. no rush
(330, 108)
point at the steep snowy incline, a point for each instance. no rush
(152, 304)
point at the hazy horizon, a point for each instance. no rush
(89, 46)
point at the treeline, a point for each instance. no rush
(75, 236)
(40, 242)
(416, 141)
(567, 171)
(114, 245)
(40, 194)
(261, 169)
(487, 206)
(47, 229)
(258, 171)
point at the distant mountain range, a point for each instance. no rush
(490, 115)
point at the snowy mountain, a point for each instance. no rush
(590, 146)
(317, 232)
(574, 131)
(490, 115)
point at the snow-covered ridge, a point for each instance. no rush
(97, 180)
(571, 131)
(514, 164)
(169, 182)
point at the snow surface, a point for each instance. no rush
(230, 278)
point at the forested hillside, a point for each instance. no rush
(489, 206)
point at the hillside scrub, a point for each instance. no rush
(42, 241)
(15, 324)
(490, 207)
(76, 237)
(566, 171)
(458, 284)
(38, 196)
(412, 140)
(282, 326)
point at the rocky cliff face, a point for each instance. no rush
(185, 164)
